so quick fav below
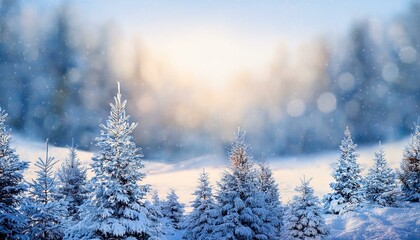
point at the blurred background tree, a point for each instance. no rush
(57, 76)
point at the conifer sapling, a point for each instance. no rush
(381, 187)
(117, 209)
(72, 183)
(12, 222)
(45, 210)
(243, 213)
(347, 188)
(173, 210)
(304, 218)
(200, 222)
(409, 174)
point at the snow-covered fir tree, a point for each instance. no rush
(72, 183)
(159, 222)
(201, 220)
(270, 189)
(158, 205)
(173, 210)
(409, 174)
(381, 187)
(154, 214)
(45, 211)
(304, 218)
(156, 200)
(242, 213)
(12, 222)
(117, 209)
(348, 185)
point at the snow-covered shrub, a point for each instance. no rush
(200, 222)
(348, 185)
(12, 222)
(72, 184)
(242, 211)
(304, 218)
(381, 187)
(43, 207)
(173, 210)
(409, 174)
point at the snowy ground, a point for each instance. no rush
(183, 176)
(378, 223)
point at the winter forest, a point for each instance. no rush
(209, 120)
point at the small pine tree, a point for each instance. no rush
(46, 213)
(201, 220)
(72, 183)
(381, 187)
(159, 223)
(173, 210)
(303, 218)
(157, 205)
(12, 222)
(157, 228)
(409, 174)
(270, 189)
(242, 211)
(347, 188)
(117, 209)
(156, 200)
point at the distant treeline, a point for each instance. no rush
(56, 75)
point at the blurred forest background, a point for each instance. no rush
(58, 78)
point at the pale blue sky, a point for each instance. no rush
(291, 19)
(218, 39)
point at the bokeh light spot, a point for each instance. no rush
(296, 108)
(390, 72)
(346, 81)
(407, 54)
(326, 102)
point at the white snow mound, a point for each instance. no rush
(377, 223)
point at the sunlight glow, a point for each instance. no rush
(212, 57)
